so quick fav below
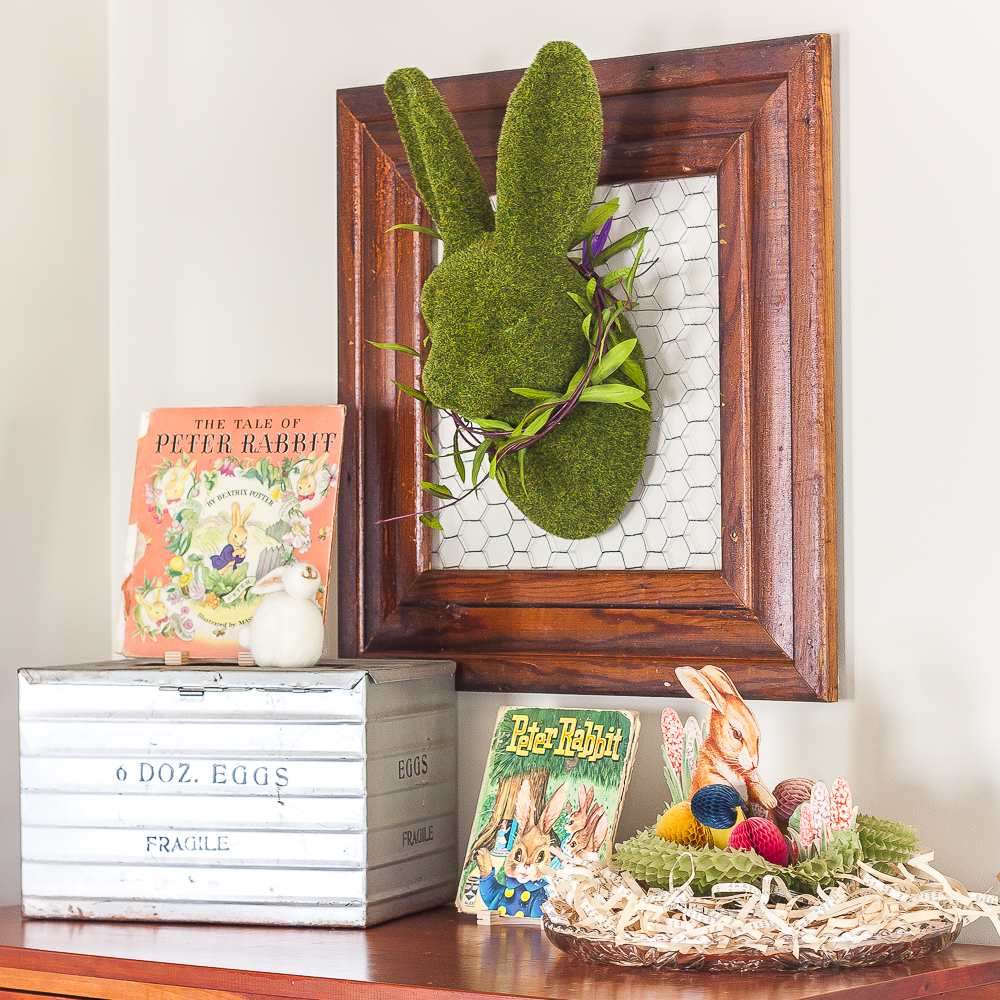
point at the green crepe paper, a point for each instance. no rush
(651, 859)
(886, 841)
(497, 306)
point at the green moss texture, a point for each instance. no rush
(497, 306)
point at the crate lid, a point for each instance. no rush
(327, 676)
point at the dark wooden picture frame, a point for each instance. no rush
(758, 116)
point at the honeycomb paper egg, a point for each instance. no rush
(791, 793)
(679, 825)
(721, 837)
(761, 837)
(715, 806)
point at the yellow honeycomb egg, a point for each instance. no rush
(678, 825)
(721, 837)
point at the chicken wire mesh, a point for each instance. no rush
(673, 519)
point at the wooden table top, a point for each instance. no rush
(438, 951)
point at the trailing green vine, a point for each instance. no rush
(609, 375)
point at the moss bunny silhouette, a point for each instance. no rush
(497, 306)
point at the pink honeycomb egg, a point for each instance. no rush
(762, 837)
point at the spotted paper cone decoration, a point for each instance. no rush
(819, 802)
(807, 825)
(693, 733)
(673, 738)
(841, 805)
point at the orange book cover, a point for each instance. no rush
(222, 496)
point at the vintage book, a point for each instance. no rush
(222, 496)
(555, 777)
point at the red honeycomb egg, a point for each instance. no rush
(762, 837)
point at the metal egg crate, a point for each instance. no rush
(222, 794)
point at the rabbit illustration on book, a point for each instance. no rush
(306, 487)
(521, 888)
(586, 825)
(156, 611)
(160, 619)
(235, 550)
(731, 750)
(590, 839)
(174, 481)
(500, 306)
(287, 629)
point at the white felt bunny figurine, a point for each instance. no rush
(287, 628)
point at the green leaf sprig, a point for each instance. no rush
(609, 375)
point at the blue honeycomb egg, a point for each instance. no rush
(715, 806)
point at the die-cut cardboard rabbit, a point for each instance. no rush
(731, 751)
(497, 306)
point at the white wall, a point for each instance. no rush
(222, 193)
(223, 288)
(53, 356)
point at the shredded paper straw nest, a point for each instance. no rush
(868, 918)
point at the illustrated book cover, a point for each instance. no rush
(222, 496)
(555, 778)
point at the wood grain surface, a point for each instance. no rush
(758, 116)
(437, 955)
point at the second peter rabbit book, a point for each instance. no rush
(555, 778)
(223, 496)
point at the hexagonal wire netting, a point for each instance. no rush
(673, 519)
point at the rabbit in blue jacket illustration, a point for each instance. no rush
(520, 888)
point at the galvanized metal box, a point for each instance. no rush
(322, 797)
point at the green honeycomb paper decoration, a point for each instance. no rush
(498, 307)
(658, 863)
(884, 840)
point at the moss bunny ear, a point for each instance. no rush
(549, 154)
(447, 177)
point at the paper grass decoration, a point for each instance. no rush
(814, 884)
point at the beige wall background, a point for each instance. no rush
(54, 396)
(220, 191)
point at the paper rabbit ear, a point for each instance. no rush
(549, 154)
(447, 177)
(699, 685)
